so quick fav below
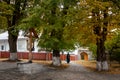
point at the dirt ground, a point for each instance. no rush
(114, 67)
(43, 70)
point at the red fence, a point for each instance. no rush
(4, 54)
(36, 56)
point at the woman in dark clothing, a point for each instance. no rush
(68, 58)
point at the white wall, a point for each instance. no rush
(22, 45)
(36, 47)
(4, 45)
(21, 42)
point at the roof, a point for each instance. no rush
(4, 35)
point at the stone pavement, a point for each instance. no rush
(35, 71)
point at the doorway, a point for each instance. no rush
(84, 56)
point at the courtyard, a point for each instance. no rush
(41, 71)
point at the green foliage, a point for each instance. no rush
(3, 22)
(49, 19)
(63, 27)
(113, 46)
(52, 23)
(116, 3)
(113, 41)
(6, 11)
(93, 48)
(29, 22)
(115, 54)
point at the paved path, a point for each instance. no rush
(34, 71)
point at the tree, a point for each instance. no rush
(99, 19)
(66, 21)
(12, 22)
(53, 34)
(49, 19)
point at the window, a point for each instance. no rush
(2, 47)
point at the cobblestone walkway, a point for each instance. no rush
(34, 71)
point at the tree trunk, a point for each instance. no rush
(30, 47)
(56, 58)
(12, 40)
(101, 56)
(13, 33)
(12, 46)
(101, 31)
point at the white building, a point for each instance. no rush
(82, 53)
(21, 42)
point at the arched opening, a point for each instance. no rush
(84, 56)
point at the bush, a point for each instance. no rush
(115, 55)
